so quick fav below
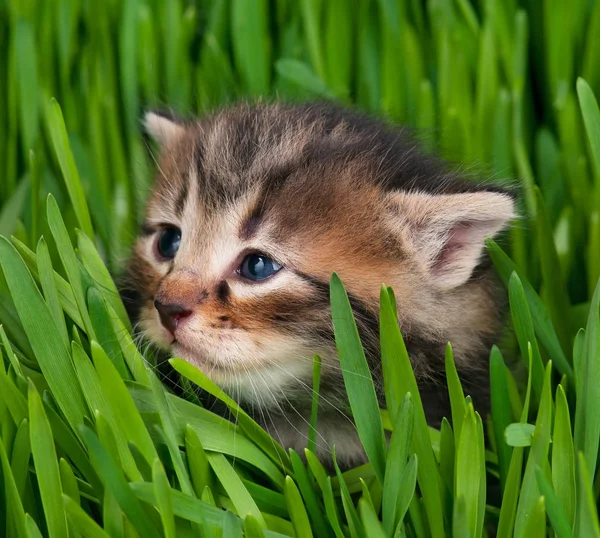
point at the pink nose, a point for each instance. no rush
(171, 314)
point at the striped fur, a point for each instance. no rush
(319, 189)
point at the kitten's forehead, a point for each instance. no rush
(224, 157)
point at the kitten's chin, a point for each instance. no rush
(216, 371)
(200, 360)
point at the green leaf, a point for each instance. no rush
(28, 80)
(519, 434)
(12, 396)
(122, 405)
(197, 461)
(311, 16)
(538, 456)
(314, 410)
(586, 517)
(95, 267)
(103, 327)
(162, 490)
(184, 506)
(512, 489)
(46, 466)
(391, 366)
(65, 293)
(357, 378)
(114, 480)
(524, 330)
(447, 456)
(252, 528)
(457, 396)
(66, 440)
(251, 44)
(396, 485)
(69, 261)
(42, 332)
(130, 352)
(81, 521)
(563, 457)
(60, 142)
(372, 526)
(587, 367)
(556, 514)
(68, 480)
(300, 74)
(32, 528)
(100, 401)
(535, 526)
(555, 293)
(168, 427)
(241, 499)
(305, 485)
(349, 509)
(500, 407)
(21, 454)
(591, 120)
(544, 329)
(338, 45)
(324, 482)
(11, 209)
(469, 480)
(430, 481)
(14, 506)
(296, 509)
(268, 445)
(215, 433)
(48, 283)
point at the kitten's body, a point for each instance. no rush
(317, 189)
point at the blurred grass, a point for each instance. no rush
(88, 438)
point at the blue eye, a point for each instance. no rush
(168, 242)
(258, 267)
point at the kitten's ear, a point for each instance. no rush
(446, 232)
(163, 128)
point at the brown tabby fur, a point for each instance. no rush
(318, 189)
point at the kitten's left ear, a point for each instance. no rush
(446, 232)
(163, 128)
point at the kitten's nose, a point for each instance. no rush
(171, 314)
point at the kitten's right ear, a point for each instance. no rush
(162, 128)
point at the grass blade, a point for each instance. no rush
(60, 142)
(429, 478)
(46, 465)
(563, 458)
(43, 335)
(162, 490)
(296, 509)
(241, 499)
(357, 378)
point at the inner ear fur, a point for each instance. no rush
(446, 232)
(163, 127)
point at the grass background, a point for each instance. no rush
(90, 442)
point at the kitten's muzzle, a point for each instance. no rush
(171, 315)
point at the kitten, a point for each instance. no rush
(254, 208)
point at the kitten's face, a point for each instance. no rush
(254, 209)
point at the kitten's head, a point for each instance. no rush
(254, 208)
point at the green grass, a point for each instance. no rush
(91, 444)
